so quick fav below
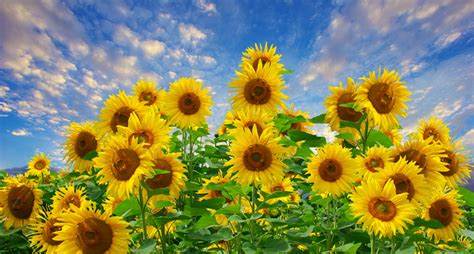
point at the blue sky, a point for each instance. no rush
(60, 60)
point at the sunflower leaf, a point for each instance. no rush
(272, 245)
(350, 248)
(428, 223)
(147, 246)
(286, 71)
(345, 136)
(319, 119)
(347, 105)
(90, 155)
(467, 196)
(376, 137)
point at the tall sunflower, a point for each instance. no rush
(380, 210)
(260, 53)
(146, 92)
(383, 96)
(292, 112)
(43, 232)
(426, 156)
(377, 158)
(117, 110)
(123, 163)
(187, 104)
(256, 158)
(68, 196)
(456, 160)
(249, 118)
(337, 113)
(444, 207)
(258, 89)
(435, 128)
(89, 231)
(39, 165)
(20, 200)
(151, 130)
(82, 138)
(332, 171)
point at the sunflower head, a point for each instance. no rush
(44, 232)
(217, 179)
(264, 54)
(249, 119)
(455, 158)
(376, 160)
(434, 128)
(282, 185)
(292, 112)
(394, 135)
(82, 138)
(39, 165)
(68, 196)
(146, 92)
(111, 203)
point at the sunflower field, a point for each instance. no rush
(148, 176)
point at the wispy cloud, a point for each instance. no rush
(21, 132)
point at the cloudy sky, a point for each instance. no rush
(60, 60)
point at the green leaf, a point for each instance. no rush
(429, 224)
(350, 248)
(90, 155)
(129, 207)
(272, 245)
(347, 105)
(409, 250)
(345, 135)
(160, 220)
(467, 196)
(205, 222)
(224, 234)
(286, 71)
(153, 192)
(193, 186)
(163, 204)
(157, 171)
(147, 247)
(319, 119)
(5, 232)
(310, 139)
(213, 203)
(348, 124)
(467, 233)
(249, 248)
(278, 194)
(376, 137)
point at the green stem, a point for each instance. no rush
(392, 246)
(163, 238)
(372, 244)
(252, 222)
(142, 210)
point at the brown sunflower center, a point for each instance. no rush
(441, 210)
(373, 163)
(413, 155)
(452, 162)
(264, 60)
(94, 236)
(125, 163)
(257, 157)
(430, 132)
(189, 103)
(277, 188)
(143, 136)
(161, 180)
(85, 142)
(72, 199)
(21, 201)
(384, 210)
(120, 117)
(40, 165)
(330, 170)
(149, 97)
(403, 185)
(251, 124)
(381, 96)
(345, 113)
(49, 232)
(257, 91)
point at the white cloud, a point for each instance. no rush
(444, 108)
(468, 138)
(153, 47)
(172, 74)
(21, 132)
(206, 7)
(191, 34)
(209, 60)
(446, 40)
(125, 36)
(4, 107)
(3, 91)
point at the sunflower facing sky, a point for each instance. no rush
(151, 129)
(82, 138)
(39, 165)
(260, 53)
(383, 97)
(186, 103)
(146, 92)
(68, 196)
(332, 171)
(44, 230)
(435, 128)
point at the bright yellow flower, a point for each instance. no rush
(250, 118)
(67, 196)
(263, 54)
(150, 130)
(44, 230)
(435, 128)
(39, 165)
(146, 92)
(82, 138)
(456, 160)
(292, 112)
(376, 160)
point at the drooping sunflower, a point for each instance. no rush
(111, 203)
(39, 165)
(260, 53)
(292, 112)
(256, 158)
(123, 164)
(174, 180)
(405, 175)
(335, 112)
(380, 210)
(146, 92)
(89, 231)
(217, 179)
(282, 185)
(186, 103)
(20, 200)
(258, 89)
(249, 118)
(376, 160)
(394, 135)
(68, 196)
(117, 110)
(435, 128)
(456, 160)
(44, 230)
(444, 206)
(82, 138)
(150, 129)
(383, 96)
(426, 156)
(332, 171)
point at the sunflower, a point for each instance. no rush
(39, 165)
(20, 200)
(67, 196)
(380, 210)
(217, 179)
(332, 171)
(44, 230)
(89, 231)
(187, 104)
(383, 96)
(249, 118)
(258, 89)
(291, 112)
(174, 180)
(394, 135)
(377, 158)
(151, 129)
(435, 128)
(256, 158)
(117, 110)
(444, 207)
(111, 203)
(426, 156)
(282, 185)
(82, 138)
(264, 54)
(456, 160)
(146, 92)
(123, 164)
(336, 113)
(405, 175)
(230, 118)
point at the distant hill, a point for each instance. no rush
(21, 170)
